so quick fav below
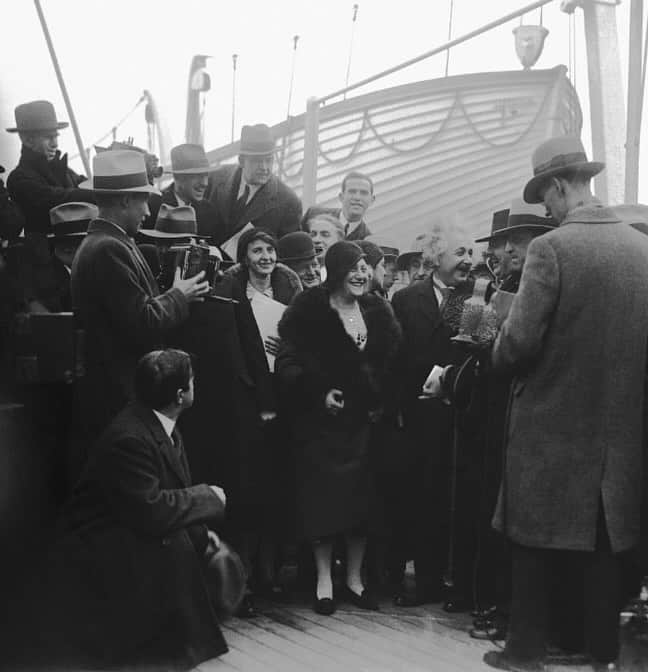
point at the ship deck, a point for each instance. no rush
(295, 639)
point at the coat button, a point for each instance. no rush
(166, 541)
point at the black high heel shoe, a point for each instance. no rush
(364, 601)
(325, 606)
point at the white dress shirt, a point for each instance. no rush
(167, 424)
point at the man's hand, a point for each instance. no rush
(193, 288)
(220, 493)
(334, 401)
(432, 385)
(272, 345)
(266, 416)
(214, 539)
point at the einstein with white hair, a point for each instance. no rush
(429, 312)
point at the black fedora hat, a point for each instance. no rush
(529, 216)
(174, 223)
(70, 220)
(499, 223)
(37, 115)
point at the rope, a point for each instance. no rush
(114, 128)
(449, 36)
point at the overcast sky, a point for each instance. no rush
(110, 50)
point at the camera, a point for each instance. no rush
(191, 259)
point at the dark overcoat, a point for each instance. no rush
(576, 340)
(274, 208)
(119, 305)
(37, 185)
(285, 283)
(223, 428)
(125, 574)
(332, 453)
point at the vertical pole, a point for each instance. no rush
(234, 58)
(447, 65)
(311, 151)
(292, 74)
(61, 81)
(353, 23)
(607, 108)
(635, 81)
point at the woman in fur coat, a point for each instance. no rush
(337, 349)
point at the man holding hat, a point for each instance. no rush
(250, 193)
(575, 338)
(42, 179)
(114, 293)
(190, 170)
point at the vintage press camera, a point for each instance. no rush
(190, 258)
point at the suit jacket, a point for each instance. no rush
(37, 185)
(576, 338)
(207, 219)
(128, 557)
(119, 305)
(275, 207)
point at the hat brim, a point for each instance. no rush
(403, 260)
(283, 260)
(61, 236)
(530, 227)
(190, 171)
(59, 125)
(153, 233)
(530, 193)
(493, 236)
(274, 150)
(147, 189)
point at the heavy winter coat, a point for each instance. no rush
(284, 281)
(332, 453)
(119, 305)
(274, 208)
(576, 340)
(127, 567)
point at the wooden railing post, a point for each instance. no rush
(311, 151)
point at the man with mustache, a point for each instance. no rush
(190, 169)
(429, 312)
(250, 194)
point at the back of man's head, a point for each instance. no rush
(159, 375)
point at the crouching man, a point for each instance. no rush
(125, 580)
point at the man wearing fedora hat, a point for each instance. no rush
(250, 193)
(42, 179)
(114, 293)
(297, 251)
(575, 340)
(190, 169)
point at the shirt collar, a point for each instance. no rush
(252, 188)
(349, 226)
(167, 424)
(179, 198)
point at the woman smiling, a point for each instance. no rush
(337, 351)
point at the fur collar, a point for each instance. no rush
(286, 284)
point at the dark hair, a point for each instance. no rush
(249, 237)
(159, 375)
(340, 258)
(357, 175)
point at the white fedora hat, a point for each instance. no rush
(119, 171)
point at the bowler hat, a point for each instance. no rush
(119, 171)
(416, 249)
(372, 252)
(189, 159)
(256, 140)
(71, 219)
(529, 216)
(37, 115)
(173, 222)
(339, 259)
(500, 220)
(555, 157)
(295, 246)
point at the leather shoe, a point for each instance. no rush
(491, 632)
(500, 661)
(324, 606)
(419, 598)
(364, 601)
(247, 608)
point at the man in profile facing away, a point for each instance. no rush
(125, 580)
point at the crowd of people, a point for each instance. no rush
(285, 386)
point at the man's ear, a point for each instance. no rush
(560, 184)
(179, 396)
(125, 201)
(340, 196)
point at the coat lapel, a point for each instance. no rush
(429, 306)
(263, 200)
(169, 452)
(224, 199)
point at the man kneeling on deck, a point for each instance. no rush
(125, 580)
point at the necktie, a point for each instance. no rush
(241, 203)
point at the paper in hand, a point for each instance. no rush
(267, 313)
